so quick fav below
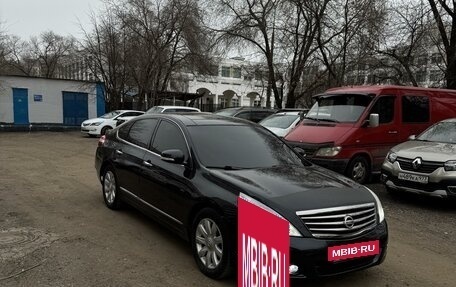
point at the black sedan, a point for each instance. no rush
(188, 170)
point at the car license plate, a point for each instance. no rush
(355, 250)
(413, 177)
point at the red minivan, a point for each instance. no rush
(351, 129)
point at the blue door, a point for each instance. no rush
(75, 108)
(20, 106)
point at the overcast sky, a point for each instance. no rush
(26, 18)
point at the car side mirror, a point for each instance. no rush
(412, 137)
(173, 156)
(300, 151)
(374, 120)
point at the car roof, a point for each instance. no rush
(200, 119)
(247, 109)
(177, 107)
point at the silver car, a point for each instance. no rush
(425, 164)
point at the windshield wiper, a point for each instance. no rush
(322, 120)
(329, 120)
(226, 167)
(314, 119)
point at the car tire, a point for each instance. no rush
(104, 130)
(358, 169)
(110, 189)
(210, 246)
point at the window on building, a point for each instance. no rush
(236, 72)
(415, 109)
(235, 102)
(435, 76)
(225, 71)
(421, 60)
(420, 76)
(436, 58)
(257, 103)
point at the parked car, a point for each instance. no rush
(281, 123)
(350, 130)
(248, 113)
(425, 164)
(99, 126)
(161, 109)
(188, 170)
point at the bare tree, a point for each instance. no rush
(255, 22)
(345, 37)
(444, 13)
(405, 40)
(299, 44)
(106, 46)
(49, 49)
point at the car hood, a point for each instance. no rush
(278, 131)
(91, 121)
(295, 188)
(307, 132)
(430, 151)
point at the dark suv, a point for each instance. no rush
(247, 113)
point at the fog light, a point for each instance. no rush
(294, 269)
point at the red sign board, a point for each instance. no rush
(263, 246)
(355, 250)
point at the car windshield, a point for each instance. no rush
(339, 108)
(226, 112)
(155, 110)
(444, 132)
(239, 147)
(110, 115)
(281, 121)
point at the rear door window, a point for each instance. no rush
(415, 109)
(141, 132)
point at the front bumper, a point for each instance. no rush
(91, 130)
(311, 255)
(440, 183)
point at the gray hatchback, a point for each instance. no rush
(425, 164)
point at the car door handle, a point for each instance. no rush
(148, 164)
(392, 132)
(119, 152)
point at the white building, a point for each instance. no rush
(236, 83)
(30, 100)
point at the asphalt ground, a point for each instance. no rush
(56, 231)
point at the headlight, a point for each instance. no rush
(450, 165)
(381, 213)
(328, 151)
(391, 157)
(292, 231)
(96, 124)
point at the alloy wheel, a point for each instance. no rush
(209, 243)
(109, 187)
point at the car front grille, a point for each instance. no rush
(340, 222)
(84, 124)
(425, 167)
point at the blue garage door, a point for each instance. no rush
(75, 108)
(20, 106)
